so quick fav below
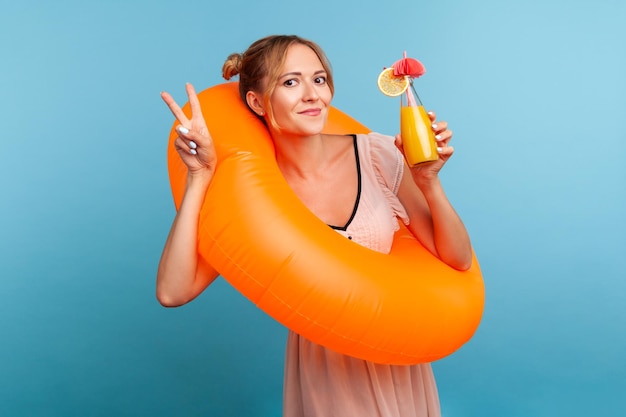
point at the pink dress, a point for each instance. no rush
(323, 383)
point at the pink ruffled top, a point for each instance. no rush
(323, 383)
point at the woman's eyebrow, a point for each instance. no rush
(299, 73)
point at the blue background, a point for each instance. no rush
(533, 90)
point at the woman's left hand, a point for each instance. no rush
(434, 221)
(429, 170)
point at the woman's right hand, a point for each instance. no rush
(194, 143)
(182, 274)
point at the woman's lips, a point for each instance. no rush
(311, 112)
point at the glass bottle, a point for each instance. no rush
(418, 138)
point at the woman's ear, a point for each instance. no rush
(255, 102)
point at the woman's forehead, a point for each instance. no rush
(300, 58)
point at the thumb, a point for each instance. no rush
(194, 135)
(398, 142)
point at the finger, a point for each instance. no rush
(191, 134)
(187, 136)
(439, 126)
(432, 115)
(194, 103)
(445, 151)
(175, 108)
(184, 146)
(195, 141)
(398, 142)
(443, 138)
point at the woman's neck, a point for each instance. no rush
(302, 156)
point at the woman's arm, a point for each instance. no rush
(182, 275)
(433, 220)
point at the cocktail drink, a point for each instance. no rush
(418, 138)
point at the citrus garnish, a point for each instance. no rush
(392, 85)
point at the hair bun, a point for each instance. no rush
(232, 66)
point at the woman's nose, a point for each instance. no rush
(310, 92)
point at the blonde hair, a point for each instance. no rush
(260, 65)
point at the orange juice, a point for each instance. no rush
(418, 137)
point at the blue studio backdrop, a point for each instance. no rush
(533, 90)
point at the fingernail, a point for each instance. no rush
(182, 130)
(192, 144)
(439, 149)
(431, 113)
(434, 125)
(438, 137)
(192, 151)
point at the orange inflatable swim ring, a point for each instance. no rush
(405, 307)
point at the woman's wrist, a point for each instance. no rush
(199, 179)
(428, 186)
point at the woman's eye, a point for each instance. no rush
(320, 80)
(290, 83)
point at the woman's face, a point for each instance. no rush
(302, 97)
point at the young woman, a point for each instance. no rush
(357, 184)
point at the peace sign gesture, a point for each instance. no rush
(194, 143)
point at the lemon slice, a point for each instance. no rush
(391, 85)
